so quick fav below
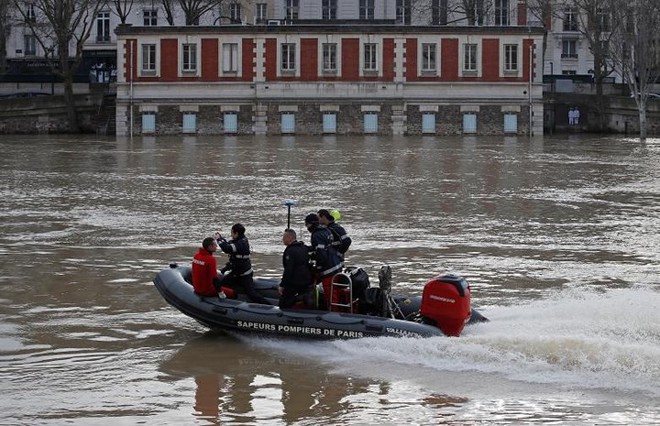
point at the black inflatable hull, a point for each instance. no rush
(239, 316)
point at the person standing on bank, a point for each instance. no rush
(240, 276)
(205, 278)
(328, 262)
(340, 239)
(297, 276)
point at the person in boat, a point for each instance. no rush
(240, 275)
(340, 239)
(328, 262)
(297, 279)
(205, 278)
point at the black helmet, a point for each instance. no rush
(312, 219)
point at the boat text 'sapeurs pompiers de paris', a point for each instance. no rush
(356, 310)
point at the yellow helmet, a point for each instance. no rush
(335, 214)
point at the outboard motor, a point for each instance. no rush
(446, 303)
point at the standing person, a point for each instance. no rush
(205, 269)
(328, 262)
(576, 116)
(340, 239)
(297, 276)
(241, 273)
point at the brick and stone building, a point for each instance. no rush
(329, 79)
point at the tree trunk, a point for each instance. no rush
(642, 121)
(72, 117)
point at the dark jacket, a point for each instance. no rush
(239, 255)
(297, 271)
(328, 261)
(340, 239)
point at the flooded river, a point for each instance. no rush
(559, 238)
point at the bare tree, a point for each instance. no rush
(634, 47)
(61, 28)
(122, 8)
(5, 30)
(168, 7)
(592, 19)
(193, 10)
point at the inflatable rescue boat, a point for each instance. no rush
(361, 311)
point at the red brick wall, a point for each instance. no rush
(249, 52)
(450, 59)
(131, 74)
(209, 59)
(169, 55)
(412, 66)
(309, 57)
(490, 59)
(388, 59)
(350, 59)
(522, 13)
(271, 59)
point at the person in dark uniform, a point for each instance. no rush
(241, 273)
(297, 276)
(328, 262)
(340, 239)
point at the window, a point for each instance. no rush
(470, 57)
(288, 62)
(510, 57)
(569, 49)
(150, 17)
(502, 12)
(103, 27)
(428, 123)
(370, 57)
(230, 58)
(510, 123)
(429, 55)
(371, 122)
(189, 122)
(292, 9)
(570, 19)
(189, 58)
(148, 122)
(470, 122)
(329, 123)
(439, 12)
(288, 123)
(30, 45)
(261, 15)
(148, 59)
(231, 122)
(329, 10)
(367, 9)
(235, 13)
(30, 14)
(403, 12)
(329, 57)
(603, 20)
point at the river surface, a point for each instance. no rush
(559, 238)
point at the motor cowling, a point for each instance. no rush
(446, 303)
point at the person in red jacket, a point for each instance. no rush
(205, 269)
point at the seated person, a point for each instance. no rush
(205, 278)
(297, 277)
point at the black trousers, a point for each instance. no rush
(245, 284)
(289, 294)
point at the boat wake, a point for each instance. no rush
(576, 339)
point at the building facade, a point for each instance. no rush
(328, 80)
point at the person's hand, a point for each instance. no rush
(218, 236)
